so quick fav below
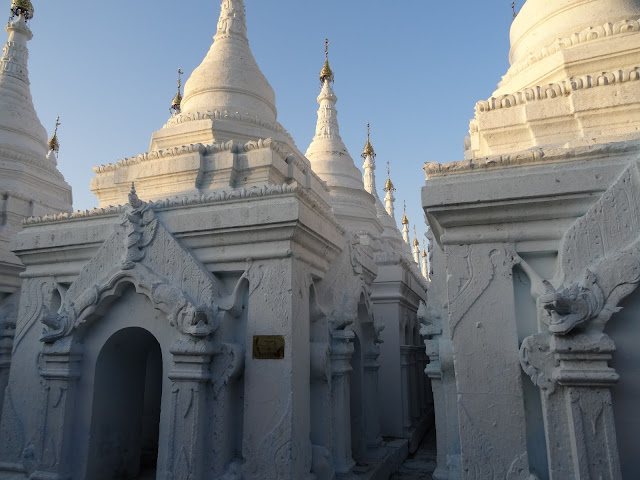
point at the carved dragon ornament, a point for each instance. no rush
(598, 266)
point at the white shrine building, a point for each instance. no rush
(532, 320)
(230, 309)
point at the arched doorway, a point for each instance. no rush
(126, 407)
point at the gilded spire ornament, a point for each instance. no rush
(177, 100)
(54, 144)
(388, 187)
(326, 74)
(22, 7)
(416, 243)
(389, 199)
(405, 220)
(368, 148)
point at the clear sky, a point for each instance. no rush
(414, 69)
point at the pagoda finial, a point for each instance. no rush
(388, 187)
(389, 199)
(177, 100)
(22, 7)
(54, 144)
(326, 74)
(405, 220)
(513, 7)
(368, 148)
(416, 246)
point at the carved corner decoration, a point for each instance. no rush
(599, 261)
(598, 266)
(157, 266)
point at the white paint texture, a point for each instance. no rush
(543, 207)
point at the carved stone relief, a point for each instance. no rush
(181, 288)
(599, 265)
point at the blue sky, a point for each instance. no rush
(413, 69)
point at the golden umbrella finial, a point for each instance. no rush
(388, 187)
(326, 74)
(368, 148)
(405, 220)
(416, 243)
(177, 100)
(54, 144)
(22, 7)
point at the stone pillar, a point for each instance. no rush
(188, 423)
(490, 403)
(417, 372)
(59, 368)
(371, 396)
(433, 333)
(8, 314)
(573, 373)
(6, 345)
(276, 442)
(405, 362)
(341, 351)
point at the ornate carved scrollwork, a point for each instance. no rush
(157, 266)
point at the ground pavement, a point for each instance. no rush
(422, 463)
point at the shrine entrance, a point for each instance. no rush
(126, 407)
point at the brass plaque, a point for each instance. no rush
(268, 347)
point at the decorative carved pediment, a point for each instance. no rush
(143, 253)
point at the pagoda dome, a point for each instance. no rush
(541, 22)
(229, 79)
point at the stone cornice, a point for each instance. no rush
(204, 198)
(231, 146)
(554, 90)
(535, 156)
(587, 35)
(226, 115)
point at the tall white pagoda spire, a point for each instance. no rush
(416, 246)
(369, 165)
(424, 265)
(405, 224)
(331, 161)
(229, 79)
(20, 128)
(389, 198)
(327, 152)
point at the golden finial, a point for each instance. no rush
(368, 148)
(177, 100)
(54, 145)
(424, 249)
(326, 74)
(405, 220)
(416, 243)
(513, 7)
(388, 187)
(22, 7)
